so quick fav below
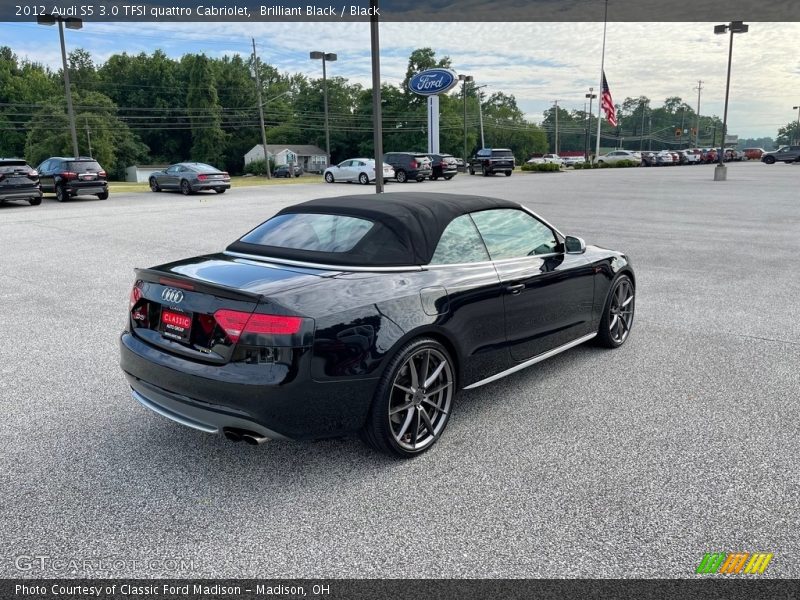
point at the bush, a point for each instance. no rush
(622, 164)
(258, 167)
(541, 167)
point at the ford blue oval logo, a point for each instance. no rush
(433, 82)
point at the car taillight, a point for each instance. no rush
(413, 164)
(235, 323)
(69, 175)
(225, 174)
(101, 174)
(136, 294)
(176, 283)
(33, 174)
(202, 177)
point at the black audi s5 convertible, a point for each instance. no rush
(366, 314)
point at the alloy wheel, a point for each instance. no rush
(421, 395)
(620, 316)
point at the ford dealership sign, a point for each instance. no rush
(433, 82)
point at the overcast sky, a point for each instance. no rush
(537, 62)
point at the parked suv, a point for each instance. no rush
(444, 165)
(287, 171)
(409, 165)
(68, 177)
(787, 154)
(492, 160)
(19, 181)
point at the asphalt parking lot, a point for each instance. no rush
(596, 463)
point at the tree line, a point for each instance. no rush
(150, 109)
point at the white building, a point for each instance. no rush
(141, 173)
(311, 158)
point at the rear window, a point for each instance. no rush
(502, 153)
(202, 167)
(82, 166)
(312, 232)
(9, 166)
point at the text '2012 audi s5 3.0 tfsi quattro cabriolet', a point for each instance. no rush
(366, 314)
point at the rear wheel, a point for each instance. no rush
(617, 320)
(448, 177)
(471, 171)
(186, 189)
(363, 179)
(413, 400)
(329, 177)
(103, 196)
(34, 201)
(434, 177)
(154, 187)
(401, 177)
(220, 190)
(61, 193)
(508, 173)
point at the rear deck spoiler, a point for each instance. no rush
(171, 279)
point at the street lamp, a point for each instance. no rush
(475, 89)
(797, 130)
(587, 142)
(71, 23)
(721, 171)
(325, 57)
(465, 79)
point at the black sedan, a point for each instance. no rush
(366, 314)
(190, 177)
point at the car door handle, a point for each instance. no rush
(515, 289)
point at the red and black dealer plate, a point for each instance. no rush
(175, 325)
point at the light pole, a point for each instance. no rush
(721, 171)
(325, 57)
(480, 110)
(465, 79)
(797, 130)
(588, 142)
(71, 23)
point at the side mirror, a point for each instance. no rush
(574, 245)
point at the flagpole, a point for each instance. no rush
(600, 96)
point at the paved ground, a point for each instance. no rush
(596, 463)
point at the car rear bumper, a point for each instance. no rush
(277, 401)
(212, 185)
(87, 189)
(20, 194)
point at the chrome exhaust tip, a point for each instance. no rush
(254, 439)
(232, 434)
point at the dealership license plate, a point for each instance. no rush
(175, 325)
(88, 177)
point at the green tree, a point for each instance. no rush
(789, 134)
(202, 104)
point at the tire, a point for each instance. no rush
(154, 187)
(220, 190)
(186, 189)
(103, 196)
(486, 173)
(403, 423)
(448, 177)
(61, 194)
(770, 160)
(508, 173)
(471, 171)
(434, 177)
(401, 176)
(618, 313)
(35, 201)
(329, 177)
(363, 179)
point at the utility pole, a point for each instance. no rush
(699, 88)
(588, 142)
(650, 132)
(480, 116)
(377, 119)
(555, 145)
(641, 139)
(261, 109)
(88, 137)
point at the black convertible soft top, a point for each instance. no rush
(407, 227)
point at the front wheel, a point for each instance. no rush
(413, 400)
(329, 177)
(154, 187)
(186, 189)
(617, 320)
(34, 201)
(770, 160)
(363, 179)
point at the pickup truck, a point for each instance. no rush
(546, 159)
(492, 160)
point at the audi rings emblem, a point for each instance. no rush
(172, 295)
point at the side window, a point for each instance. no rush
(173, 169)
(345, 164)
(460, 243)
(44, 167)
(511, 233)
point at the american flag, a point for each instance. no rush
(608, 103)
